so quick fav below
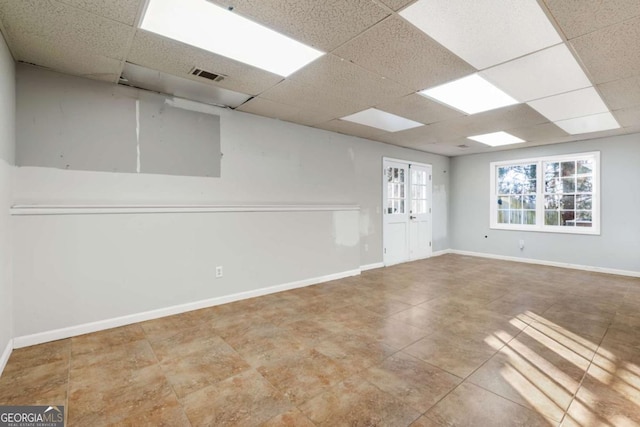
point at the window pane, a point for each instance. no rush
(551, 202)
(585, 166)
(516, 217)
(551, 170)
(503, 217)
(568, 202)
(585, 184)
(567, 218)
(529, 217)
(529, 202)
(551, 218)
(583, 216)
(389, 174)
(568, 168)
(568, 185)
(583, 201)
(389, 206)
(401, 175)
(401, 206)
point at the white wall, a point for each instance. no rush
(7, 153)
(618, 246)
(102, 266)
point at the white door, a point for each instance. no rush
(406, 211)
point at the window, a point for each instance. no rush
(396, 186)
(555, 194)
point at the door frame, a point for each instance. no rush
(384, 201)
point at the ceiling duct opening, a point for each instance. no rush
(207, 74)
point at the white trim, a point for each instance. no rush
(442, 252)
(153, 209)
(371, 266)
(4, 358)
(549, 263)
(86, 328)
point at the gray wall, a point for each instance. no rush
(105, 266)
(618, 246)
(7, 150)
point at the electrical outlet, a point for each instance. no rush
(521, 244)
(366, 247)
(218, 272)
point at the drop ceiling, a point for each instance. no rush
(375, 58)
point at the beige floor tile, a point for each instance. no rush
(411, 381)
(469, 405)
(356, 402)
(30, 357)
(108, 339)
(244, 400)
(303, 375)
(44, 384)
(457, 355)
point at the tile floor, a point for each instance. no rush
(449, 341)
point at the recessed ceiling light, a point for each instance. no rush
(541, 74)
(579, 103)
(594, 123)
(497, 139)
(204, 25)
(471, 94)
(484, 33)
(382, 120)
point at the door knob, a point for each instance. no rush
(412, 217)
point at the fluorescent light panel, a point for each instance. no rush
(587, 124)
(471, 94)
(204, 25)
(497, 139)
(484, 33)
(579, 103)
(541, 74)
(382, 120)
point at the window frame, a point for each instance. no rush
(540, 211)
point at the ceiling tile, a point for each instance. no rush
(484, 33)
(170, 56)
(337, 77)
(581, 102)
(397, 4)
(303, 96)
(419, 108)
(579, 17)
(61, 37)
(611, 53)
(417, 136)
(350, 128)
(324, 25)
(124, 11)
(276, 110)
(542, 132)
(628, 117)
(541, 74)
(398, 50)
(621, 93)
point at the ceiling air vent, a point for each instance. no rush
(207, 74)
(463, 146)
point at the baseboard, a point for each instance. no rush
(86, 328)
(442, 252)
(4, 358)
(549, 263)
(371, 266)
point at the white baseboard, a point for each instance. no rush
(549, 263)
(371, 266)
(442, 252)
(86, 328)
(4, 358)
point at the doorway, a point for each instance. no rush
(407, 224)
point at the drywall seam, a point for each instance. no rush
(550, 263)
(20, 210)
(5, 356)
(57, 334)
